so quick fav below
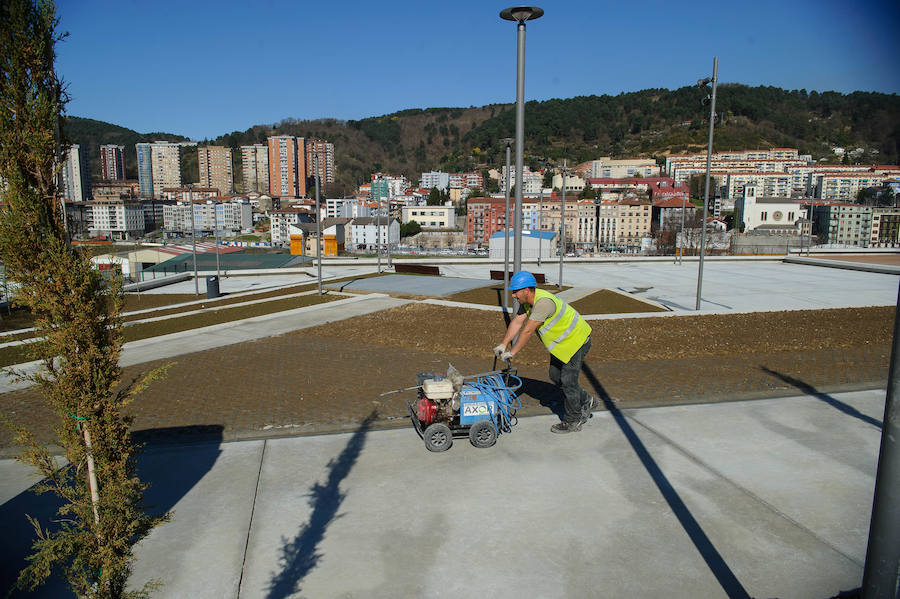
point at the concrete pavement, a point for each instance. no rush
(767, 498)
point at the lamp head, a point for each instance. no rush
(521, 13)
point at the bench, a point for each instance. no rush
(497, 275)
(418, 269)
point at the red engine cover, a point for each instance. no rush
(426, 410)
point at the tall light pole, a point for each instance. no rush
(679, 259)
(881, 571)
(508, 141)
(520, 14)
(712, 122)
(190, 195)
(540, 222)
(562, 224)
(318, 221)
(812, 212)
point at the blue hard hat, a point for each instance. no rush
(521, 280)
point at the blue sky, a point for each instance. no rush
(203, 68)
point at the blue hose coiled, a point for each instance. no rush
(493, 387)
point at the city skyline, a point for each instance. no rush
(223, 67)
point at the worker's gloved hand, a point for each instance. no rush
(506, 356)
(499, 350)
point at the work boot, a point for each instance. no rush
(565, 427)
(589, 406)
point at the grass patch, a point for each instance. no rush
(18, 354)
(492, 295)
(221, 301)
(610, 302)
(18, 318)
(196, 321)
(146, 301)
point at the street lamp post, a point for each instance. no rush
(679, 259)
(712, 121)
(318, 222)
(562, 225)
(520, 14)
(540, 223)
(812, 212)
(193, 237)
(508, 142)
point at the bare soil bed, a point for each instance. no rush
(331, 377)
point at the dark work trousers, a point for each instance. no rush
(565, 375)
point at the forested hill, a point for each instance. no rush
(650, 122)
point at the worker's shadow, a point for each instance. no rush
(547, 394)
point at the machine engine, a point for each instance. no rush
(437, 401)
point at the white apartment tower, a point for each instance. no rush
(255, 168)
(74, 176)
(215, 168)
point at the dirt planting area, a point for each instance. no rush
(330, 377)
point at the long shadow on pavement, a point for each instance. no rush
(808, 389)
(717, 565)
(168, 486)
(299, 555)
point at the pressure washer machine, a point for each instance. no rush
(480, 406)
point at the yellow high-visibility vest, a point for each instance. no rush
(565, 331)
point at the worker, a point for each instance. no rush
(566, 336)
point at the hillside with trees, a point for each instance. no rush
(649, 123)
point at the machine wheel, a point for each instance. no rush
(438, 437)
(483, 434)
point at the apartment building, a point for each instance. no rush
(885, 230)
(770, 185)
(287, 166)
(255, 168)
(159, 166)
(634, 222)
(216, 168)
(75, 176)
(324, 151)
(188, 194)
(533, 182)
(115, 190)
(843, 186)
(608, 168)
(281, 220)
(585, 230)
(430, 217)
(775, 154)
(387, 187)
(367, 233)
(466, 181)
(347, 208)
(844, 223)
(484, 217)
(116, 219)
(574, 183)
(445, 181)
(208, 216)
(433, 179)
(112, 162)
